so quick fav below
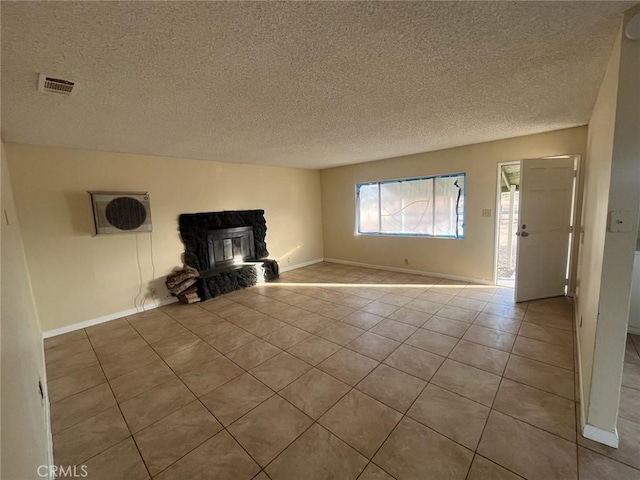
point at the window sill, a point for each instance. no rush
(408, 235)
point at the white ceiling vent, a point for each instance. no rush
(57, 86)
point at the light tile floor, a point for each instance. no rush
(335, 372)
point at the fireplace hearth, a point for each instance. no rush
(228, 248)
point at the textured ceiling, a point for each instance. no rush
(307, 84)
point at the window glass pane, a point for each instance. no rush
(448, 209)
(369, 212)
(407, 207)
(423, 206)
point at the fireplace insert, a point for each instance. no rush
(230, 246)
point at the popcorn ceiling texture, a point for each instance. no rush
(303, 84)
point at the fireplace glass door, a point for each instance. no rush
(230, 246)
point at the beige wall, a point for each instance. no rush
(77, 277)
(24, 419)
(603, 303)
(471, 257)
(634, 307)
(597, 174)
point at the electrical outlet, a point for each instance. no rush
(288, 259)
(486, 212)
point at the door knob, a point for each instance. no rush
(523, 233)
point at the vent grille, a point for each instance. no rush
(127, 212)
(58, 86)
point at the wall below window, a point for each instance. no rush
(471, 257)
(78, 277)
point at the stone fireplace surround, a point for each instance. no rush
(198, 231)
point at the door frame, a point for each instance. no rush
(496, 239)
(575, 218)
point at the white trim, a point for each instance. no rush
(633, 330)
(132, 311)
(496, 216)
(47, 410)
(576, 323)
(591, 432)
(414, 272)
(575, 226)
(574, 220)
(300, 265)
(601, 436)
(106, 318)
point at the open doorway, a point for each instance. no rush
(508, 208)
(535, 210)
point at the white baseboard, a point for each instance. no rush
(414, 272)
(633, 330)
(600, 435)
(132, 311)
(300, 265)
(106, 318)
(597, 434)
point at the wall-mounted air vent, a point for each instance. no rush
(58, 86)
(121, 212)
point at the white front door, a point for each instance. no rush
(546, 196)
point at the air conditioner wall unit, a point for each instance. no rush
(121, 212)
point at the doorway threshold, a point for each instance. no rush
(507, 282)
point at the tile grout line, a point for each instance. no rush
(360, 475)
(405, 372)
(346, 393)
(198, 398)
(341, 347)
(119, 409)
(491, 409)
(404, 414)
(261, 403)
(165, 416)
(353, 387)
(205, 407)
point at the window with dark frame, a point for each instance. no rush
(425, 206)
